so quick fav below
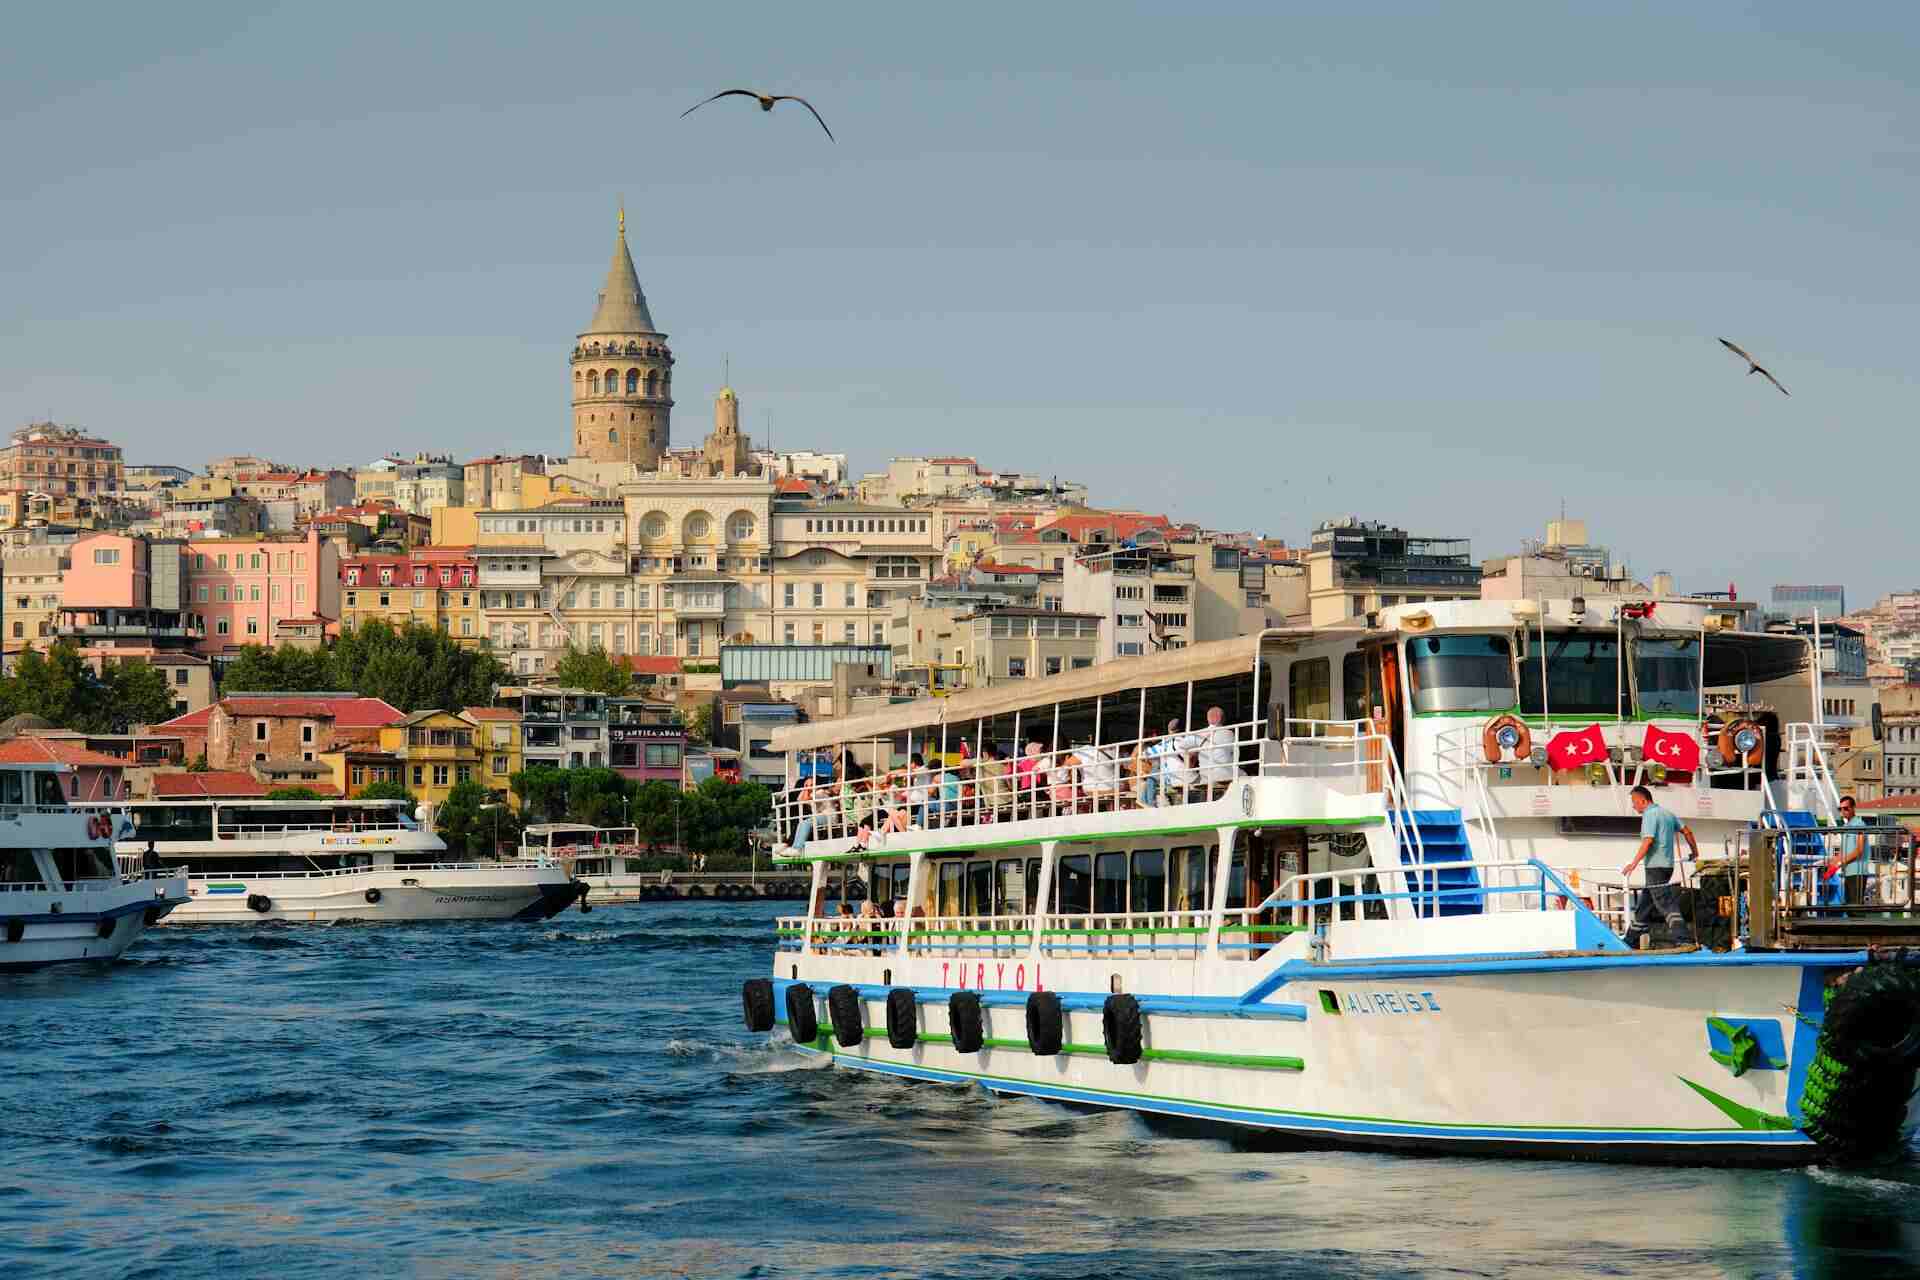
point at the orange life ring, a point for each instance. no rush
(1495, 749)
(1730, 734)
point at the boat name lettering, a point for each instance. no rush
(472, 897)
(326, 841)
(1389, 1002)
(974, 977)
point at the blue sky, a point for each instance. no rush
(1449, 266)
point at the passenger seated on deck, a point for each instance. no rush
(996, 785)
(1026, 776)
(1062, 779)
(804, 810)
(1099, 772)
(1217, 754)
(870, 917)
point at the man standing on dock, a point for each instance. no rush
(1659, 900)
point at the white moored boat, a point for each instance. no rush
(62, 899)
(329, 860)
(1267, 923)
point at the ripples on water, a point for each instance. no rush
(578, 1098)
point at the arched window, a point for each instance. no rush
(593, 383)
(653, 382)
(613, 435)
(633, 381)
(613, 382)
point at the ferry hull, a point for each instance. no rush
(1604, 1059)
(95, 927)
(398, 895)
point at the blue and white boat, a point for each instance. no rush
(1268, 923)
(63, 898)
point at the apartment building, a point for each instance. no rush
(42, 457)
(1143, 595)
(647, 740)
(125, 598)
(33, 572)
(838, 567)
(243, 589)
(1357, 567)
(244, 729)
(554, 576)
(559, 728)
(427, 483)
(497, 732)
(436, 587)
(495, 481)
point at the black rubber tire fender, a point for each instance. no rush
(903, 1018)
(756, 1002)
(965, 1022)
(1121, 1029)
(1874, 1019)
(1046, 1023)
(372, 896)
(16, 930)
(259, 902)
(106, 926)
(844, 1008)
(803, 1023)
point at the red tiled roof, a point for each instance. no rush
(1119, 524)
(989, 566)
(346, 713)
(793, 484)
(217, 782)
(1890, 802)
(491, 713)
(42, 751)
(651, 665)
(952, 461)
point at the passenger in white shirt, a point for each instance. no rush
(1217, 753)
(1099, 776)
(1173, 756)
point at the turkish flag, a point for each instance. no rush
(1674, 750)
(1571, 750)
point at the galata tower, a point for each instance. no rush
(622, 373)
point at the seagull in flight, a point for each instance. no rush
(1753, 367)
(766, 101)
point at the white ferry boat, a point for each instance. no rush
(1269, 923)
(328, 860)
(605, 859)
(62, 899)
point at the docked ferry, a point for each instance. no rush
(62, 898)
(327, 860)
(1365, 887)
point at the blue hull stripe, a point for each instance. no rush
(1334, 1125)
(1084, 1001)
(92, 917)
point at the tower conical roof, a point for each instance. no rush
(623, 308)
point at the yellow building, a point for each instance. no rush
(433, 586)
(436, 751)
(497, 734)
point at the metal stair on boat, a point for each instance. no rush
(1443, 838)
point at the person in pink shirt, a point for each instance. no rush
(1026, 780)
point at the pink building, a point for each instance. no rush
(243, 590)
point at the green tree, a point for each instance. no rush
(471, 823)
(543, 792)
(135, 693)
(294, 793)
(597, 796)
(384, 791)
(700, 725)
(592, 669)
(656, 805)
(286, 668)
(414, 667)
(717, 816)
(198, 764)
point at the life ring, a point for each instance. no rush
(803, 1024)
(1046, 1023)
(843, 1009)
(1503, 734)
(1121, 1030)
(372, 896)
(903, 1018)
(756, 1002)
(259, 902)
(963, 1020)
(1731, 735)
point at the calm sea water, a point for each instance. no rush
(578, 1098)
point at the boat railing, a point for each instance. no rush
(1458, 755)
(1421, 890)
(227, 831)
(1181, 933)
(324, 873)
(1123, 775)
(1805, 873)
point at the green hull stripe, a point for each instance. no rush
(1744, 1116)
(889, 853)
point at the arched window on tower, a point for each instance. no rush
(613, 382)
(653, 382)
(593, 383)
(613, 435)
(633, 381)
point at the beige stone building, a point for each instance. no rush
(1357, 567)
(496, 481)
(622, 372)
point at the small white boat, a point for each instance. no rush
(605, 859)
(328, 861)
(62, 900)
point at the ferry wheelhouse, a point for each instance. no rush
(1364, 887)
(328, 860)
(62, 898)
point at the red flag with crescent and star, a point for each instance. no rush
(1573, 749)
(1674, 750)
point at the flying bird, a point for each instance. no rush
(766, 101)
(1753, 367)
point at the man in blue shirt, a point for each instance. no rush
(1660, 900)
(1846, 872)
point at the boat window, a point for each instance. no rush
(1310, 689)
(18, 867)
(1355, 703)
(1076, 723)
(48, 791)
(1667, 673)
(11, 792)
(882, 882)
(979, 888)
(1237, 882)
(1460, 673)
(1013, 886)
(1075, 892)
(1147, 887)
(951, 889)
(1232, 694)
(1120, 716)
(1189, 879)
(1110, 883)
(1033, 881)
(1583, 674)
(85, 863)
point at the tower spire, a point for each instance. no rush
(623, 217)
